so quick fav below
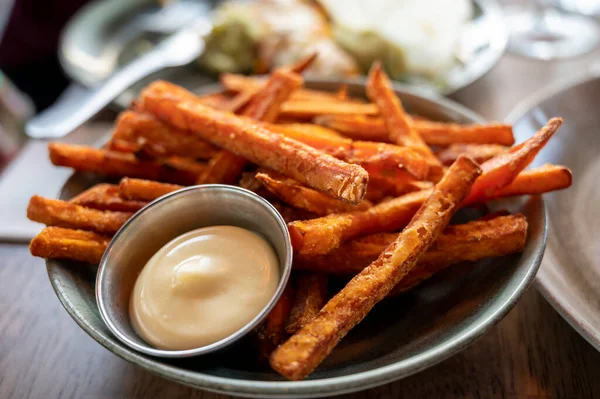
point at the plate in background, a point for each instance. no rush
(570, 275)
(85, 46)
(398, 338)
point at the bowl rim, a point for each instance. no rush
(228, 340)
(333, 385)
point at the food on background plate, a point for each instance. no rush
(406, 36)
(358, 202)
(257, 36)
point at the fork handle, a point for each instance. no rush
(73, 109)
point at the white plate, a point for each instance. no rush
(570, 274)
(85, 45)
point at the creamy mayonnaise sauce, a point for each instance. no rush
(202, 287)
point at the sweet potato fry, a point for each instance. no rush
(144, 190)
(127, 147)
(397, 186)
(237, 103)
(291, 214)
(309, 130)
(290, 192)
(444, 133)
(536, 181)
(226, 167)
(272, 332)
(320, 236)
(304, 351)
(239, 83)
(64, 214)
(359, 127)
(471, 241)
(236, 83)
(478, 152)
(307, 109)
(311, 295)
(266, 104)
(214, 100)
(116, 164)
(59, 243)
(302, 64)
(105, 197)
(397, 122)
(379, 159)
(498, 237)
(261, 146)
(501, 170)
(160, 139)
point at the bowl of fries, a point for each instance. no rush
(414, 223)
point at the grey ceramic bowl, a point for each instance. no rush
(399, 337)
(168, 217)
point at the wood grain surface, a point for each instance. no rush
(532, 353)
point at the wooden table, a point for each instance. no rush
(532, 353)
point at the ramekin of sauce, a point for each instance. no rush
(194, 271)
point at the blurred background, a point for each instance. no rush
(440, 45)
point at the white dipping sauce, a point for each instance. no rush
(202, 287)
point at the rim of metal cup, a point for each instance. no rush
(146, 348)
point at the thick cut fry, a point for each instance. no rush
(237, 103)
(399, 185)
(64, 214)
(159, 139)
(302, 64)
(472, 241)
(304, 351)
(380, 159)
(116, 164)
(536, 181)
(359, 127)
(501, 170)
(309, 130)
(444, 133)
(505, 238)
(226, 167)
(105, 197)
(261, 146)
(266, 104)
(272, 332)
(291, 214)
(307, 109)
(290, 192)
(59, 243)
(320, 236)
(311, 295)
(478, 152)
(144, 190)
(129, 147)
(214, 100)
(239, 83)
(397, 122)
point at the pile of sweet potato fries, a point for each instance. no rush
(367, 191)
